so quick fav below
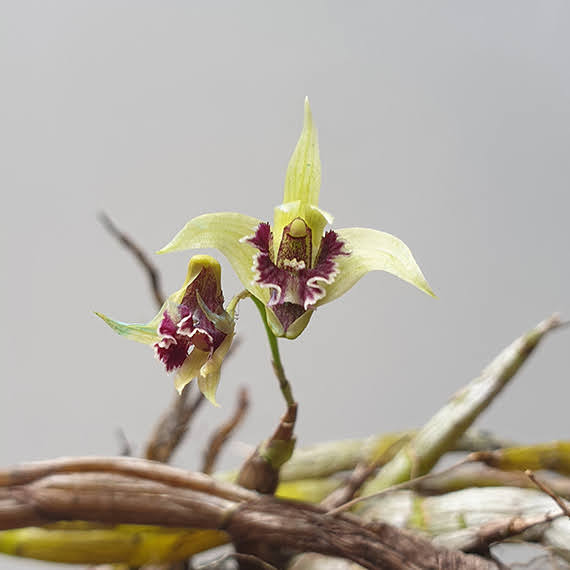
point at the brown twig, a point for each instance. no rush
(500, 530)
(400, 486)
(173, 426)
(223, 433)
(358, 477)
(142, 258)
(542, 486)
(346, 493)
(124, 466)
(481, 475)
(129, 491)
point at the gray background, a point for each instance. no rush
(445, 123)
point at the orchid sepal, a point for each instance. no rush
(303, 178)
(223, 231)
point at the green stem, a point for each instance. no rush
(276, 356)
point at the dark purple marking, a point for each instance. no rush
(295, 290)
(189, 327)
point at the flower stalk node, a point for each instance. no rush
(260, 471)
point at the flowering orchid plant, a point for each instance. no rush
(294, 267)
(290, 269)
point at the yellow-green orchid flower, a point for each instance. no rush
(296, 267)
(192, 332)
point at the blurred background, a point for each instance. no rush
(444, 123)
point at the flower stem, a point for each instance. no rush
(276, 357)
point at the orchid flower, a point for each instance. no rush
(294, 267)
(192, 333)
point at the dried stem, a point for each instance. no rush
(142, 258)
(173, 426)
(411, 484)
(124, 466)
(545, 489)
(481, 475)
(324, 459)
(124, 490)
(504, 529)
(471, 519)
(360, 474)
(224, 432)
(441, 432)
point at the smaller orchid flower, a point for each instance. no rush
(192, 333)
(296, 266)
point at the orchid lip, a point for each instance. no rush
(296, 283)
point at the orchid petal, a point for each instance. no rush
(190, 369)
(372, 250)
(209, 377)
(224, 231)
(140, 333)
